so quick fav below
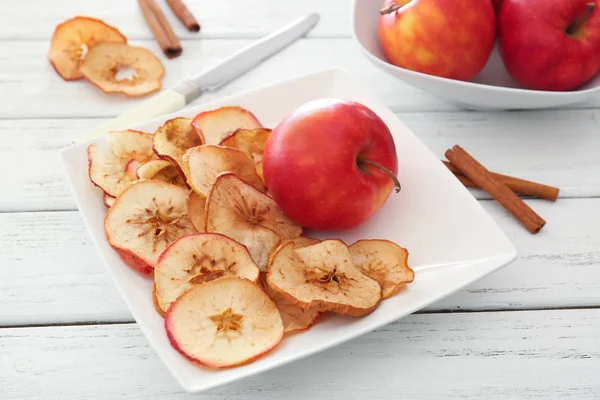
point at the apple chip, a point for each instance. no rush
(155, 302)
(294, 318)
(384, 261)
(104, 61)
(236, 209)
(108, 200)
(161, 170)
(173, 138)
(227, 322)
(196, 204)
(299, 242)
(215, 125)
(205, 162)
(132, 167)
(196, 259)
(146, 218)
(108, 159)
(250, 141)
(73, 39)
(322, 277)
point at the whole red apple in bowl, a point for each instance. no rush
(551, 45)
(330, 164)
(447, 38)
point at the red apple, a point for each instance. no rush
(448, 38)
(550, 45)
(331, 164)
(497, 5)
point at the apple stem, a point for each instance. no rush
(578, 23)
(390, 9)
(385, 170)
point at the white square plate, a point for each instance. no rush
(452, 241)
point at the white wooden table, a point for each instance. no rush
(531, 330)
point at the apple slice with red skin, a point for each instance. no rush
(331, 164)
(108, 159)
(108, 200)
(72, 40)
(224, 323)
(215, 125)
(155, 302)
(196, 259)
(196, 205)
(144, 220)
(236, 209)
(132, 167)
(322, 277)
(174, 138)
(252, 142)
(384, 261)
(204, 163)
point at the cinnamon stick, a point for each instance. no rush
(473, 170)
(160, 27)
(184, 14)
(520, 186)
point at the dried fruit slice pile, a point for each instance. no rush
(232, 273)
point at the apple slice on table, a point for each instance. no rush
(204, 163)
(384, 261)
(145, 219)
(223, 323)
(240, 211)
(196, 204)
(72, 40)
(196, 259)
(215, 125)
(174, 138)
(108, 160)
(322, 277)
(161, 170)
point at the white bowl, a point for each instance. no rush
(492, 89)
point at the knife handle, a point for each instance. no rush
(160, 104)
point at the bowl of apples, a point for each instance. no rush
(486, 54)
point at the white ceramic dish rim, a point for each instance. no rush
(470, 271)
(567, 95)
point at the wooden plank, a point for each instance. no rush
(36, 91)
(541, 146)
(27, 19)
(524, 355)
(53, 274)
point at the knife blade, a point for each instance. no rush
(237, 64)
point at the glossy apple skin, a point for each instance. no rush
(536, 50)
(447, 38)
(497, 5)
(311, 170)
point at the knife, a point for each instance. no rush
(190, 89)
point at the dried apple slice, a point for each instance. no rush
(205, 162)
(294, 318)
(215, 125)
(322, 277)
(250, 141)
(104, 61)
(384, 261)
(72, 40)
(236, 209)
(146, 218)
(227, 322)
(196, 204)
(155, 302)
(161, 170)
(197, 259)
(299, 242)
(108, 159)
(108, 200)
(173, 138)
(132, 167)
